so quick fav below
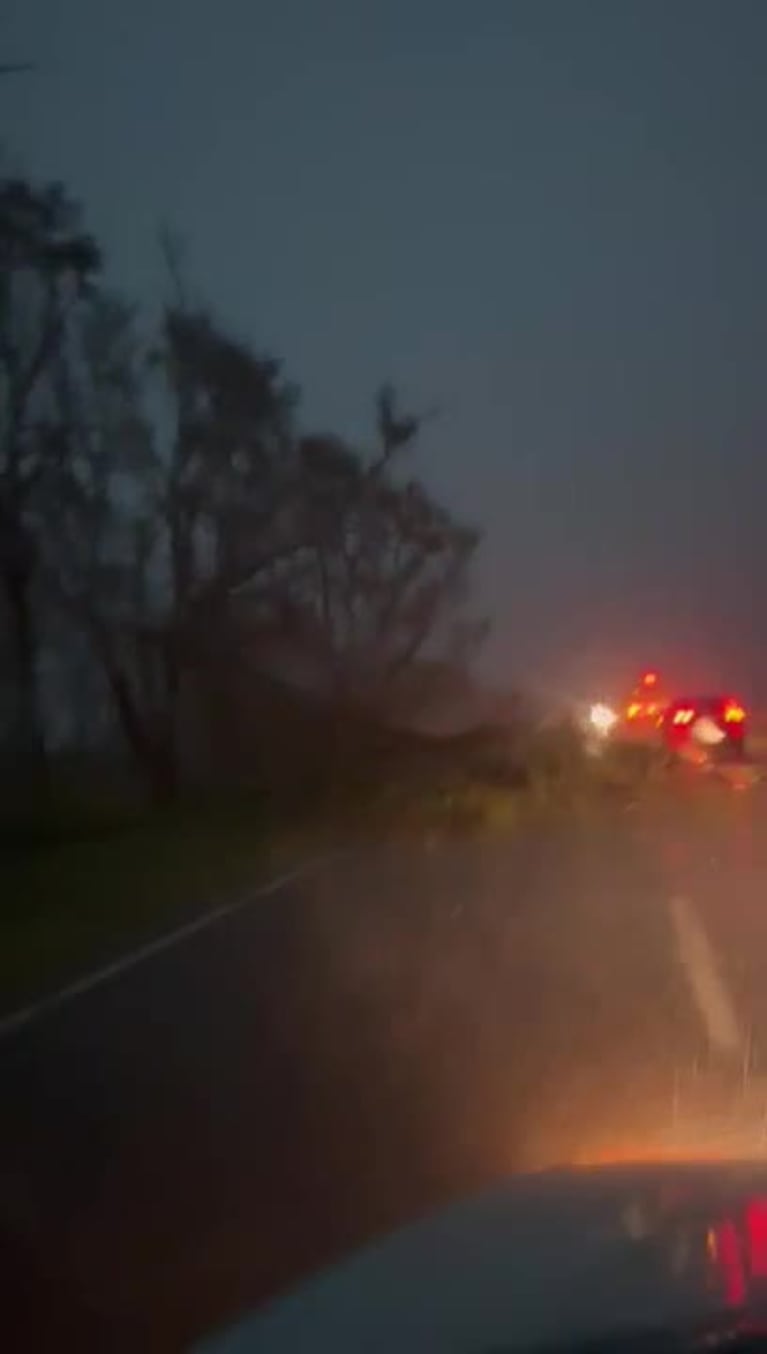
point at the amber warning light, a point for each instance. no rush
(683, 717)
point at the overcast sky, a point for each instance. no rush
(547, 219)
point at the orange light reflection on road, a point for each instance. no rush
(703, 1151)
(647, 1154)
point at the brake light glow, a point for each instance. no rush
(734, 713)
(650, 679)
(756, 1228)
(731, 1263)
(683, 717)
(633, 710)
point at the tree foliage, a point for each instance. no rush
(162, 509)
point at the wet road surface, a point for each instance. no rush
(405, 1026)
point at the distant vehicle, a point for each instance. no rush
(643, 712)
(705, 729)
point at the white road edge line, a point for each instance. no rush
(27, 1014)
(709, 993)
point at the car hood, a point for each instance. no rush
(559, 1255)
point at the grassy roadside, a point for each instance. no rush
(70, 905)
(83, 888)
(74, 901)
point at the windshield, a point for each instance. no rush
(376, 384)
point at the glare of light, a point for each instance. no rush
(650, 679)
(708, 732)
(633, 710)
(734, 713)
(731, 1264)
(683, 717)
(705, 1138)
(602, 718)
(629, 1152)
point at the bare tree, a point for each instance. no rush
(166, 522)
(46, 264)
(386, 567)
(156, 492)
(100, 533)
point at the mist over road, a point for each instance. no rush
(401, 1027)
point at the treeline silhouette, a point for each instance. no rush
(192, 583)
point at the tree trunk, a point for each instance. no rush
(27, 740)
(154, 756)
(169, 734)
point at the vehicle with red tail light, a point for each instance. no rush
(643, 711)
(705, 729)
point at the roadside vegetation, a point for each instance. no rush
(222, 629)
(85, 879)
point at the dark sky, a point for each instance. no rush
(549, 219)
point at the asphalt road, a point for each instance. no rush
(401, 1027)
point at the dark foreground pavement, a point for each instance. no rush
(402, 1027)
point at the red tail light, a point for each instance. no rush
(734, 713)
(683, 717)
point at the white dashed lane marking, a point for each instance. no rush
(707, 987)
